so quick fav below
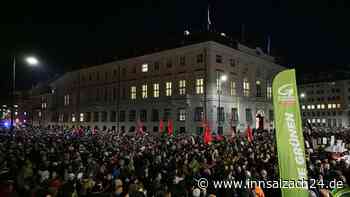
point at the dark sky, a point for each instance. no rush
(310, 35)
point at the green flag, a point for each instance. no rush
(289, 135)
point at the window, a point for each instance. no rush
(73, 117)
(233, 88)
(124, 93)
(182, 87)
(246, 87)
(269, 91)
(97, 76)
(88, 117)
(318, 106)
(198, 114)
(200, 58)
(132, 115)
(155, 115)
(143, 115)
(322, 106)
(329, 106)
(338, 105)
(334, 106)
(167, 114)
(81, 117)
(144, 91)
(114, 72)
(124, 71)
(97, 94)
(104, 116)
(114, 94)
(258, 89)
(144, 68)
(168, 89)
(156, 90)
(218, 59)
(182, 115)
(232, 62)
(234, 114)
(156, 66)
(221, 114)
(96, 117)
(133, 69)
(199, 86)
(122, 116)
(182, 60)
(106, 75)
(106, 95)
(113, 116)
(169, 63)
(248, 115)
(133, 92)
(303, 107)
(44, 105)
(312, 106)
(66, 99)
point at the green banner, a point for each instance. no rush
(289, 135)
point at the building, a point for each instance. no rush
(213, 77)
(326, 103)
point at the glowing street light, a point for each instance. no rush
(33, 61)
(30, 60)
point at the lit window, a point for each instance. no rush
(182, 87)
(303, 107)
(25, 113)
(318, 106)
(318, 120)
(338, 105)
(233, 88)
(66, 99)
(312, 106)
(182, 114)
(144, 68)
(308, 107)
(258, 89)
(73, 117)
(269, 92)
(199, 86)
(329, 106)
(16, 113)
(133, 92)
(168, 89)
(81, 118)
(144, 91)
(156, 90)
(313, 120)
(322, 106)
(246, 87)
(323, 120)
(334, 106)
(39, 113)
(16, 106)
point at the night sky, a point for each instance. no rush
(310, 35)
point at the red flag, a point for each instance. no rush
(207, 134)
(161, 126)
(170, 127)
(249, 134)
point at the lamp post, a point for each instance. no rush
(221, 78)
(31, 61)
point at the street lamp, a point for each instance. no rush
(222, 78)
(31, 61)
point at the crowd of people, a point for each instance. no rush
(42, 162)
